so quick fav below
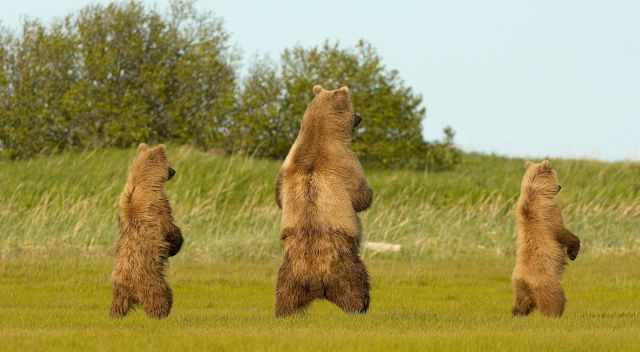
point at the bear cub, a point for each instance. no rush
(543, 244)
(148, 237)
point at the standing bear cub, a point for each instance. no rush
(543, 244)
(148, 237)
(320, 188)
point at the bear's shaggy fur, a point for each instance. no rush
(543, 244)
(320, 188)
(148, 237)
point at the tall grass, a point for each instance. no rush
(225, 206)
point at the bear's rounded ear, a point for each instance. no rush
(344, 89)
(317, 89)
(142, 147)
(158, 152)
(546, 163)
(527, 163)
(161, 148)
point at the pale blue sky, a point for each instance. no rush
(519, 78)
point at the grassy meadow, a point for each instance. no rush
(447, 289)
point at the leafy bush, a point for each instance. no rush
(118, 74)
(115, 75)
(273, 100)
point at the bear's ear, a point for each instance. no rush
(344, 89)
(317, 89)
(546, 163)
(158, 152)
(161, 149)
(142, 147)
(527, 163)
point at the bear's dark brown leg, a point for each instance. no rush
(348, 286)
(157, 300)
(523, 302)
(362, 198)
(571, 241)
(121, 302)
(291, 295)
(550, 299)
(174, 237)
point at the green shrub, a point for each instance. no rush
(115, 75)
(122, 73)
(273, 100)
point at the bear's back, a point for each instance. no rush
(318, 196)
(538, 252)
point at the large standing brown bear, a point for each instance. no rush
(543, 244)
(320, 188)
(148, 237)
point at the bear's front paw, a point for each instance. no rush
(572, 252)
(174, 247)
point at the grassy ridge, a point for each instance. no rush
(460, 304)
(226, 209)
(448, 289)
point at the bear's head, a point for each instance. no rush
(150, 167)
(331, 112)
(542, 178)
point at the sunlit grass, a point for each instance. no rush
(226, 210)
(447, 289)
(457, 304)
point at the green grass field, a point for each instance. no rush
(458, 304)
(448, 289)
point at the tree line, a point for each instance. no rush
(118, 74)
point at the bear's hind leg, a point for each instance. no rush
(348, 286)
(292, 296)
(122, 301)
(157, 300)
(550, 299)
(523, 302)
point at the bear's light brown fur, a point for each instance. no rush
(543, 244)
(320, 188)
(148, 237)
